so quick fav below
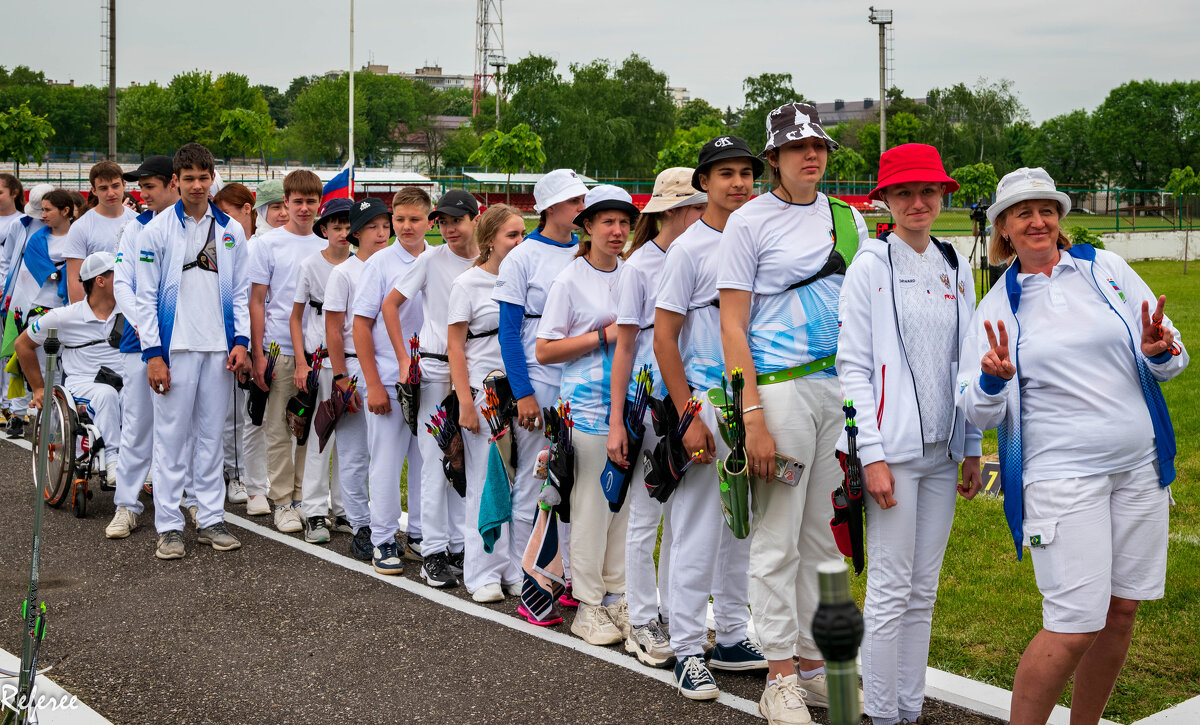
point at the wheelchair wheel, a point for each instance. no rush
(79, 497)
(60, 467)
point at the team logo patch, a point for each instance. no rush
(37, 325)
(227, 240)
(146, 255)
(945, 280)
(962, 385)
(1035, 540)
(1116, 289)
(364, 206)
(722, 142)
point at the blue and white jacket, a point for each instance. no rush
(125, 280)
(992, 402)
(161, 256)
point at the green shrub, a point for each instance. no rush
(1083, 235)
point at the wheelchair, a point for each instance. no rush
(76, 457)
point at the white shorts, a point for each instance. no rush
(1096, 537)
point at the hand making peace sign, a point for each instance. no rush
(996, 361)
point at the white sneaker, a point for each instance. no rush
(194, 515)
(593, 625)
(236, 491)
(513, 590)
(782, 703)
(123, 523)
(110, 472)
(618, 612)
(817, 691)
(287, 521)
(258, 505)
(488, 593)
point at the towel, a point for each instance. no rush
(495, 505)
(543, 568)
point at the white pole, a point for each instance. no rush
(351, 152)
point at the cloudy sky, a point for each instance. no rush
(1060, 55)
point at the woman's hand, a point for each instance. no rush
(996, 361)
(1156, 339)
(468, 417)
(355, 403)
(300, 377)
(760, 446)
(618, 447)
(699, 438)
(972, 480)
(529, 415)
(880, 483)
(378, 401)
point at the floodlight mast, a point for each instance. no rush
(489, 45)
(882, 18)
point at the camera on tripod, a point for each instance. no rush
(979, 212)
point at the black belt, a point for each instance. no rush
(485, 333)
(315, 305)
(531, 317)
(349, 354)
(716, 303)
(647, 327)
(435, 356)
(834, 264)
(86, 344)
(205, 265)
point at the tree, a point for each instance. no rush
(23, 135)
(1063, 147)
(763, 94)
(197, 109)
(977, 181)
(277, 104)
(699, 112)
(1186, 185)
(684, 149)
(247, 131)
(320, 127)
(145, 118)
(845, 164)
(967, 123)
(458, 147)
(510, 152)
(1144, 129)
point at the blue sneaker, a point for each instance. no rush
(740, 657)
(694, 681)
(387, 559)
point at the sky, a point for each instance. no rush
(1060, 55)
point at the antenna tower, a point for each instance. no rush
(489, 49)
(108, 31)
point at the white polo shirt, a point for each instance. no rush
(77, 325)
(339, 296)
(430, 277)
(276, 263)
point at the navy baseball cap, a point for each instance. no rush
(330, 209)
(456, 203)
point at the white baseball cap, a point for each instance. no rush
(1024, 184)
(558, 185)
(96, 264)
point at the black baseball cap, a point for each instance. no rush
(152, 166)
(366, 210)
(456, 203)
(721, 148)
(330, 209)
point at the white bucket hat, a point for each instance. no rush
(1024, 184)
(605, 197)
(558, 185)
(673, 188)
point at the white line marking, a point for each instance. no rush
(611, 656)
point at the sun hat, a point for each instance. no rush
(911, 162)
(1024, 184)
(605, 197)
(269, 192)
(721, 148)
(340, 205)
(366, 210)
(35, 199)
(96, 264)
(558, 185)
(792, 122)
(456, 203)
(672, 189)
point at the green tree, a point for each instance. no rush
(23, 136)
(197, 109)
(763, 94)
(510, 152)
(975, 181)
(21, 75)
(1184, 184)
(699, 112)
(277, 104)
(685, 145)
(967, 123)
(1144, 129)
(319, 129)
(458, 147)
(845, 164)
(1063, 147)
(246, 131)
(145, 117)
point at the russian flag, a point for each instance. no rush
(340, 186)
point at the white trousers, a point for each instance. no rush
(479, 567)
(442, 519)
(253, 454)
(597, 535)
(104, 407)
(905, 546)
(353, 459)
(789, 529)
(137, 433)
(526, 488)
(644, 587)
(391, 443)
(321, 486)
(189, 419)
(706, 558)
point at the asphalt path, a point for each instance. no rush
(282, 631)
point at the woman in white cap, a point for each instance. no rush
(1092, 508)
(521, 286)
(787, 252)
(576, 329)
(674, 206)
(905, 309)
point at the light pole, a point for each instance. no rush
(882, 18)
(497, 61)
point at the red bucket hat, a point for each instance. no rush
(911, 162)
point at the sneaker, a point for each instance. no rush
(123, 523)
(386, 558)
(218, 537)
(412, 549)
(549, 621)
(694, 681)
(919, 721)
(287, 520)
(258, 505)
(488, 593)
(782, 703)
(360, 545)
(593, 625)
(513, 590)
(110, 473)
(650, 645)
(435, 570)
(315, 531)
(740, 657)
(194, 515)
(341, 525)
(16, 427)
(566, 600)
(170, 545)
(455, 562)
(817, 691)
(236, 491)
(618, 612)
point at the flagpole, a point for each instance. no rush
(350, 156)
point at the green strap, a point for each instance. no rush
(799, 371)
(845, 231)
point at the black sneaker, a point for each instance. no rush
(16, 427)
(455, 562)
(340, 525)
(360, 546)
(315, 531)
(436, 572)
